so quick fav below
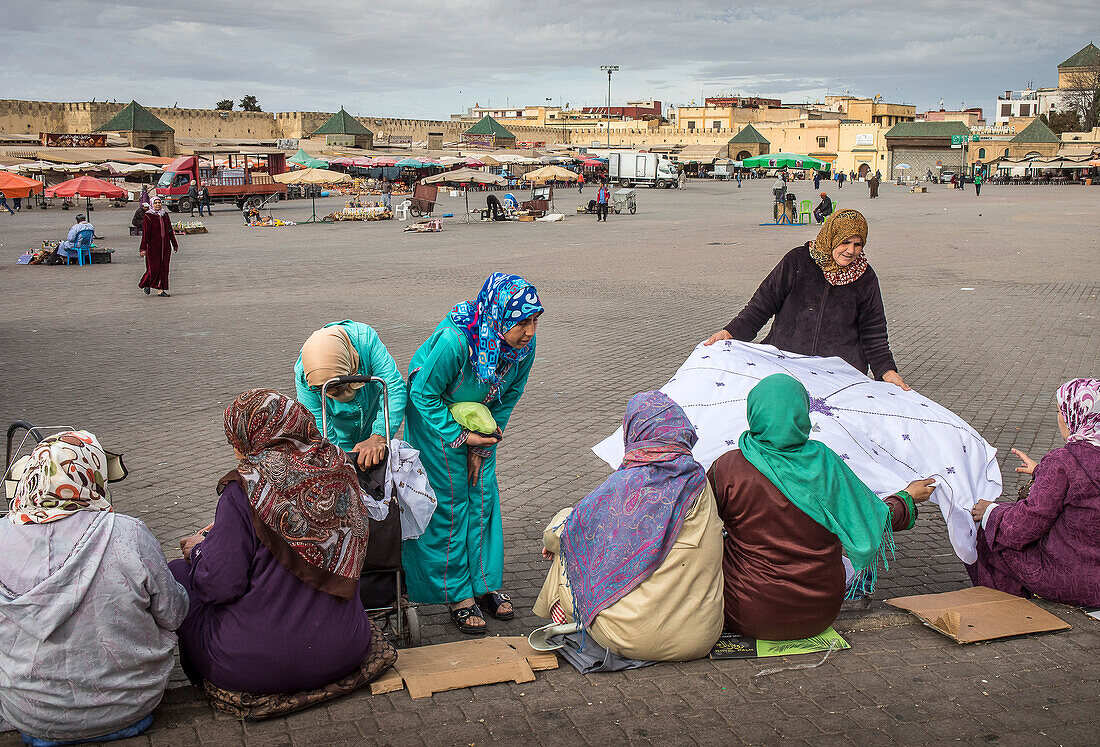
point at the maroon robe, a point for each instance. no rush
(1048, 543)
(157, 241)
(783, 577)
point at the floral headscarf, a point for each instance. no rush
(305, 496)
(504, 301)
(838, 227)
(65, 473)
(1079, 403)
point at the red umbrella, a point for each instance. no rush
(362, 161)
(13, 185)
(384, 161)
(342, 162)
(86, 186)
(474, 162)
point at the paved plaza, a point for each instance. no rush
(991, 301)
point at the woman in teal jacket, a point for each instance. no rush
(481, 352)
(355, 416)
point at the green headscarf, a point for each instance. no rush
(812, 476)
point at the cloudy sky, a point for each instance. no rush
(421, 59)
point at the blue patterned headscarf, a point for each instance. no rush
(622, 531)
(505, 301)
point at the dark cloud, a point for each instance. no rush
(430, 59)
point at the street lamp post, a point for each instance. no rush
(609, 69)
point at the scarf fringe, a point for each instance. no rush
(866, 578)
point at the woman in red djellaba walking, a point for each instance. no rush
(157, 244)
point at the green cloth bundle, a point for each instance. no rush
(474, 416)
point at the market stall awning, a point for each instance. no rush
(13, 185)
(786, 161)
(464, 176)
(312, 176)
(550, 173)
(700, 153)
(86, 186)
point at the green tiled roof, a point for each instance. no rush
(1036, 132)
(928, 129)
(1087, 57)
(748, 135)
(342, 123)
(489, 126)
(134, 118)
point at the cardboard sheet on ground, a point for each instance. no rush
(888, 436)
(449, 666)
(730, 646)
(979, 614)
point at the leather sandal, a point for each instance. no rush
(461, 616)
(493, 601)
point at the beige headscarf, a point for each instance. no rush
(327, 353)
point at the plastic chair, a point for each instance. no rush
(402, 210)
(805, 211)
(83, 243)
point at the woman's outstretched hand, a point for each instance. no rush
(921, 490)
(1028, 466)
(894, 378)
(476, 439)
(719, 335)
(978, 511)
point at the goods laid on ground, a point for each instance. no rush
(357, 209)
(268, 221)
(100, 255)
(188, 227)
(425, 226)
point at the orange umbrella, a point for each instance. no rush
(13, 185)
(86, 186)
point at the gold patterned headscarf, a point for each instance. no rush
(839, 227)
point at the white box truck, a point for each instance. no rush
(631, 168)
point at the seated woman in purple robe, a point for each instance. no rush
(274, 582)
(1048, 542)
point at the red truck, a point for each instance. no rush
(244, 178)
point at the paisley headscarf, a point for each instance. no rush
(504, 301)
(838, 227)
(304, 493)
(622, 531)
(328, 353)
(65, 473)
(1079, 403)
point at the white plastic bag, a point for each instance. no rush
(415, 496)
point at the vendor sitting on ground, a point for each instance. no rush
(355, 417)
(824, 208)
(65, 248)
(640, 555)
(1048, 542)
(87, 603)
(790, 507)
(274, 582)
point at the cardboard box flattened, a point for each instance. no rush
(980, 614)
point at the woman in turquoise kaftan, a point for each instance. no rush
(356, 421)
(481, 352)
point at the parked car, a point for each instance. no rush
(946, 176)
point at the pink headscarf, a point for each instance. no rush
(1079, 403)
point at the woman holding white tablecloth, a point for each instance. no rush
(825, 300)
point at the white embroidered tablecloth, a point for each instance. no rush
(888, 436)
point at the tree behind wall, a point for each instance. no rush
(1082, 95)
(250, 104)
(1064, 121)
(225, 105)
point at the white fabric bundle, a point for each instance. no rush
(888, 436)
(415, 496)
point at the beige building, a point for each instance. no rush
(873, 110)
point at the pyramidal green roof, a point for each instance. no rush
(928, 129)
(1088, 56)
(1036, 132)
(749, 135)
(489, 126)
(134, 118)
(342, 123)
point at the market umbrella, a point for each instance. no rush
(313, 176)
(464, 177)
(416, 163)
(362, 161)
(13, 185)
(550, 173)
(86, 186)
(903, 166)
(384, 161)
(786, 161)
